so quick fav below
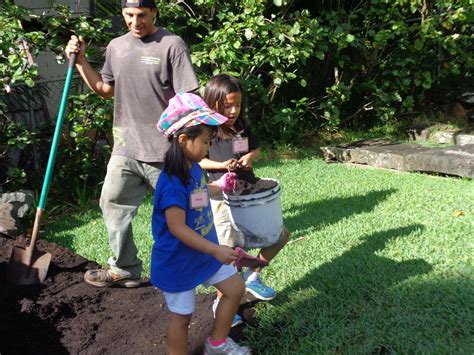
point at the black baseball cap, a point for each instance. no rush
(139, 3)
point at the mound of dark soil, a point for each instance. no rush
(67, 316)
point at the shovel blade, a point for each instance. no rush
(27, 267)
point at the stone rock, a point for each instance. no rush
(464, 139)
(21, 201)
(438, 135)
(336, 154)
(443, 137)
(456, 160)
(342, 152)
(388, 156)
(419, 133)
(8, 224)
(13, 206)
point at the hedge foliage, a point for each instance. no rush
(306, 66)
(319, 65)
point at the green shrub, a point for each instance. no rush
(89, 117)
(307, 67)
(310, 66)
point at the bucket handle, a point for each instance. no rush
(242, 204)
(246, 203)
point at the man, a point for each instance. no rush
(143, 69)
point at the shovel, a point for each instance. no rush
(29, 266)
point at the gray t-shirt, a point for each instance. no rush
(146, 73)
(221, 150)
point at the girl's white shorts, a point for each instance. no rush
(185, 302)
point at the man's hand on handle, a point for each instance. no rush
(76, 45)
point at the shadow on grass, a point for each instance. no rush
(359, 272)
(347, 305)
(325, 212)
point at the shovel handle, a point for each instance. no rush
(52, 155)
(57, 132)
(34, 234)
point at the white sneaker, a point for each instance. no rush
(230, 347)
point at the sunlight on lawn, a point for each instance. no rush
(380, 260)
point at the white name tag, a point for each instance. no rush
(198, 200)
(240, 145)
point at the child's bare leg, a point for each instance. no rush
(177, 334)
(231, 291)
(270, 252)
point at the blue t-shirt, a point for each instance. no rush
(176, 267)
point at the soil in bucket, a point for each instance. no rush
(244, 187)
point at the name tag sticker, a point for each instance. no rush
(240, 145)
(199, 200)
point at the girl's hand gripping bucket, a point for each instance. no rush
(258, 216)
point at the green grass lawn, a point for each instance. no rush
(385, 264)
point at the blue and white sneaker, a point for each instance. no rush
(260, 290)
(235, 322)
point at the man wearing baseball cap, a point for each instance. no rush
(143, 69)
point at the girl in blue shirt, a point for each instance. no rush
(186, 251)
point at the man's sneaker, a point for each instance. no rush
(259, 290)
(235, 322)
(106, 278)
(230, 347)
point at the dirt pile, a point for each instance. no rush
(67, 316)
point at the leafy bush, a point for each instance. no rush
(353, 64)
(86, 148)
(89, 117)
(307, 67)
